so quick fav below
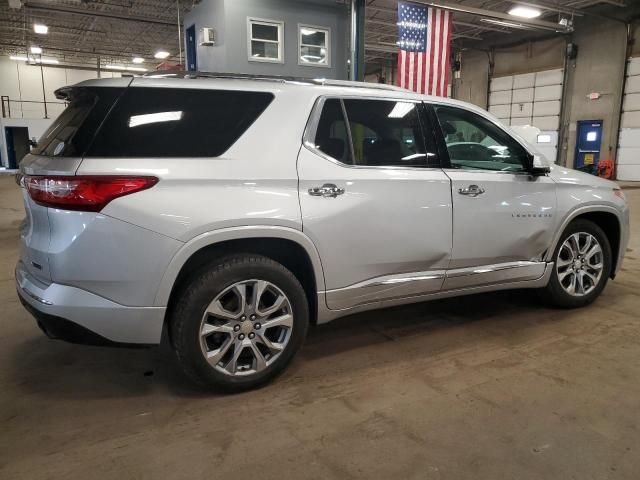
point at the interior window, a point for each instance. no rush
(475, 142)
(386, 133)
(331, 136)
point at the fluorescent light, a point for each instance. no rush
(50, 61)
(504, 23)
(36, 50)
(18, 58)
(39, 28)
(308, 31)
(400, 110)
(136, 69)
(115, 67)
(161, 54)
(138, 60)
(137, 120)
(524, 12)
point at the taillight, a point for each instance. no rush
(85, 193)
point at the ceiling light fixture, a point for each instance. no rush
(36, 50)
(18, 58)
(525, 12)
(138, 60)
(161, 54)
(115, 67)
(41, 29)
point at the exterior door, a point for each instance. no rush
(192, 61)
(503, 218)
(588, 141)
(373, 201)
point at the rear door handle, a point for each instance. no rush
(471, 191)
(328, 190)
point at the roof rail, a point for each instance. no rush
(274, 78)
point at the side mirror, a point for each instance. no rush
(537, 166)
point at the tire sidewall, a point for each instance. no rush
(210, 282)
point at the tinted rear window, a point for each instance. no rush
(164, 122)
(71, 133)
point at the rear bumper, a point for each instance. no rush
(79, 316)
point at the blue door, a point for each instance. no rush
(589, 138)
(192, 61)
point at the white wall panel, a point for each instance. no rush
(629, 173)
(550, 92)
(519, 110)
(547, 123)
(524, 81)
(631, 102)
(629, 156)
(633, 84)
(517, 122)
(500, 98)
(522, 95)
(629, 137)
(631, 120)
(501, 83)
(634, 66)
(500, 111)
(549, 77)
(541, 109)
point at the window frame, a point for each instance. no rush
(309, 135)
(327, 30)
(443, 152)
(280, 42)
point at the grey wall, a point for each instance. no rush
(473, 84)
(598, 68)
(229, 19)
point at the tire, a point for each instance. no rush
(254, 354)
(557, 292)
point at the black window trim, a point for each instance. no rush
(442, 146)
(309, 135)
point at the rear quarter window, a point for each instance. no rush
(165, 122)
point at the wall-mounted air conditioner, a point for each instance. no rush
(207, 36)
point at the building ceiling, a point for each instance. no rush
(113, 31)
(472, 29)
(81, 31)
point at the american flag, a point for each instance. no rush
(424, 40)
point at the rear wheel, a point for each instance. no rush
(582, 266)
(239, 322)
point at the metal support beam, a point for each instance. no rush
(356, 72)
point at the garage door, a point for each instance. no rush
(530, 99)
(628, 167)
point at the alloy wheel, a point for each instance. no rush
(580, 264)
(246, 327)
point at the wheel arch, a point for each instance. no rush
(607, 218)
(285, 245)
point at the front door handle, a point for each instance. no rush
(328, 190)
(471, 190)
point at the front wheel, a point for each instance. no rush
(239, 322)
(582, 265)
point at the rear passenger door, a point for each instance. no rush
(374, 200)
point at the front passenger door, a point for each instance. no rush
(503, 217)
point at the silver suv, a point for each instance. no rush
(230, 213)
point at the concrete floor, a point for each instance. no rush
(491, 386)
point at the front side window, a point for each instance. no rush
(265, 39)
(176, 122)
(474, 142)
(314, 45)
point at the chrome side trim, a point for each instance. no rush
(490, 274)
(385, 287)
(326, 315)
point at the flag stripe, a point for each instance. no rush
(424, 48)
